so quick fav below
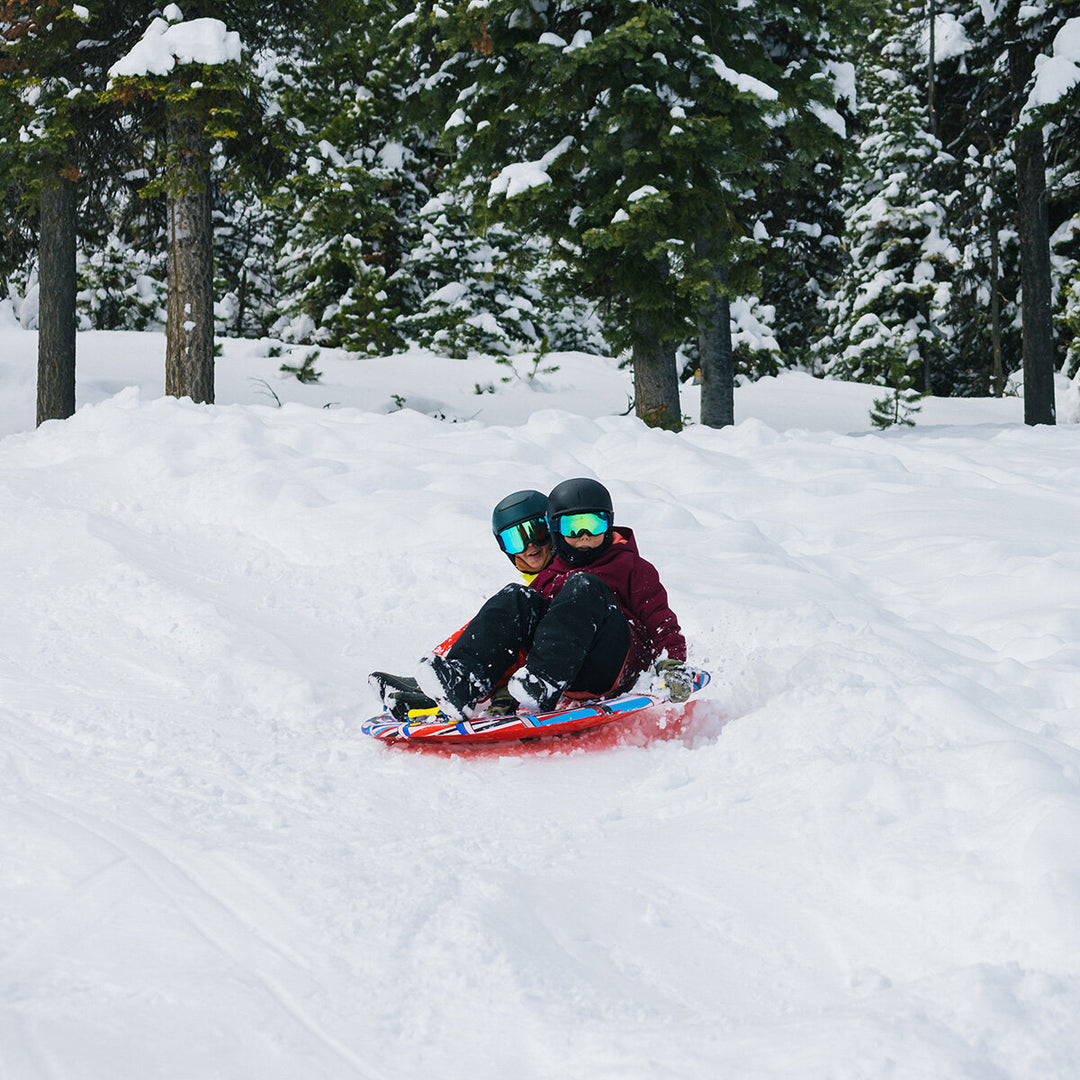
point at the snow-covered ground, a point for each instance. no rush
(857, 855)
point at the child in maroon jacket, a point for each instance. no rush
(590, 623)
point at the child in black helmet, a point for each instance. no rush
(519, 524)
(590, 622)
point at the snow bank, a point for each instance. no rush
(854, 857)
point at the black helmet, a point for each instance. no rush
(518, 509)
(580, 496)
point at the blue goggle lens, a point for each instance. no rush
(516, 538)
(576, 524)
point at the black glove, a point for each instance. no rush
(674, 678)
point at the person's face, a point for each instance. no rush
(585, 541)
(534, 558)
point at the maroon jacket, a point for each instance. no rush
(654, 629)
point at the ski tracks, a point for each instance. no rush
(110, 887)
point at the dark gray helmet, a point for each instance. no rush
(519, 508)
(580, 496)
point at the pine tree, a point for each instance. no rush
(890, 315)
(245, 288)
(628, 136)
(198, 93)
(203, 111)
(1054, 102)
(18, 234)
(1007, 41)
(348, 212)
(976, 169)
(898, 406)
(53, 54)
(799, 215)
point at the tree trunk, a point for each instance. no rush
(189, 327)
(717, 361)
(714, 338)
(656, 382)
(1034, 234)
(931, 71)
(997, 380)
(1037, 300)
(56, 315)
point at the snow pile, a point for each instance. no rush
(1058, 74)
(854, 856)
(168, 43)
(950, 38)
(523, 175)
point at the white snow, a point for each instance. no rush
(950, 38)
(830, 118)
(1056, 75)
(855, 856)
(166, 44)
(741, 81)
(582, 39)
(844, 81)
(520, 176)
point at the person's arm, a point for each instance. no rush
(651, 607)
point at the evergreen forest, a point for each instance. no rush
(707, 189)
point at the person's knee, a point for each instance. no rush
(587, 587)
(514, 589)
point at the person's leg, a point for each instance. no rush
(581, 644)
(485, 651)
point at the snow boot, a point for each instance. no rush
(400, 695)
(449, 683)
(387, 686)
(534, 693)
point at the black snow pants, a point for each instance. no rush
(578, 641)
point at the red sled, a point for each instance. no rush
(573, 715)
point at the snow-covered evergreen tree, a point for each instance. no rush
(349, 209)
(626, 135)
(18, 239)
(484, 283)
(53, 56)
(245, 288)
(799, 215)
(492, 290)
(1026, 91)
(1055, 100)
(121, 287)
(890, 314)
(473, 286)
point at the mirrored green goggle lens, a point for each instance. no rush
(516, 538)
(576, 524)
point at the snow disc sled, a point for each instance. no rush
(432, 726)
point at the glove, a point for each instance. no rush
(502, 703)
(674, 678)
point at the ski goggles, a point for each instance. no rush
(516, 538)
(577, 524)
